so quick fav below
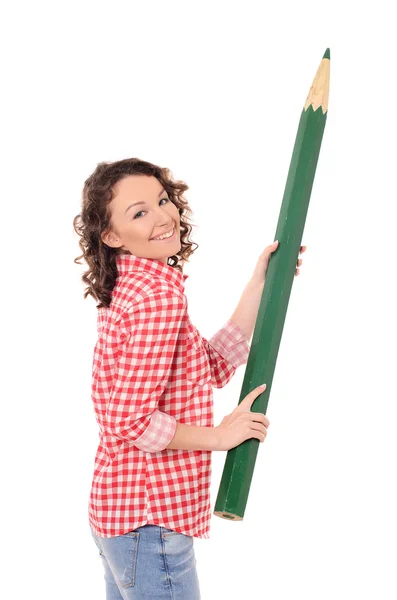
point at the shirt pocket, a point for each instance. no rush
(198, 369)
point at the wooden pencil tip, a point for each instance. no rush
(319, 91)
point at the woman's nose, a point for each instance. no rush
(163, 220)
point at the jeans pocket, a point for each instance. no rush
(121, 554)
(167, 533)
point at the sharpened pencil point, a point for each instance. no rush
(327, 54)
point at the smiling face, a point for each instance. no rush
(142, 210)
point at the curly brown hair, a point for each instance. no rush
(95, 218)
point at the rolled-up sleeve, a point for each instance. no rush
(227, 350)
(149, 333)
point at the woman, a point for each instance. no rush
(152, 383)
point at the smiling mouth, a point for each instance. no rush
(166, 238)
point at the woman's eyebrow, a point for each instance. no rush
(136, 203)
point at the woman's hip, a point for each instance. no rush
(149, 562)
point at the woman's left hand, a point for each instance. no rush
(262, 264)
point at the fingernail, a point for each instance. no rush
(263, 385)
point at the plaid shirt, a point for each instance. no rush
(151, 369)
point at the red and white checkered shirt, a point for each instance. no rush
(151, 369)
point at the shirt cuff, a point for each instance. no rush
(231, 343)
(158, 433)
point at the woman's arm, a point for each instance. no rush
(138, 379)
(192, 437)
(226, 351)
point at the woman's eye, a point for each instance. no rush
(141, 211)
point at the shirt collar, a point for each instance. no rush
(127, 263)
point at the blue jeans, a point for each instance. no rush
(149, 563)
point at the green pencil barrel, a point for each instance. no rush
(240, 461)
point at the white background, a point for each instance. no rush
(214, 91)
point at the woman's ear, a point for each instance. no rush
(110, 239)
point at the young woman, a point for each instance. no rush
(152, 379)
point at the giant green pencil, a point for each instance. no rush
(240, 461)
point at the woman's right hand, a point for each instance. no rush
(242, 424)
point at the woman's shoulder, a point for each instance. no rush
(135, 288)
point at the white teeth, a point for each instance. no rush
(166, 235)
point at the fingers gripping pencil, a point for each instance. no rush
(240, 461)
